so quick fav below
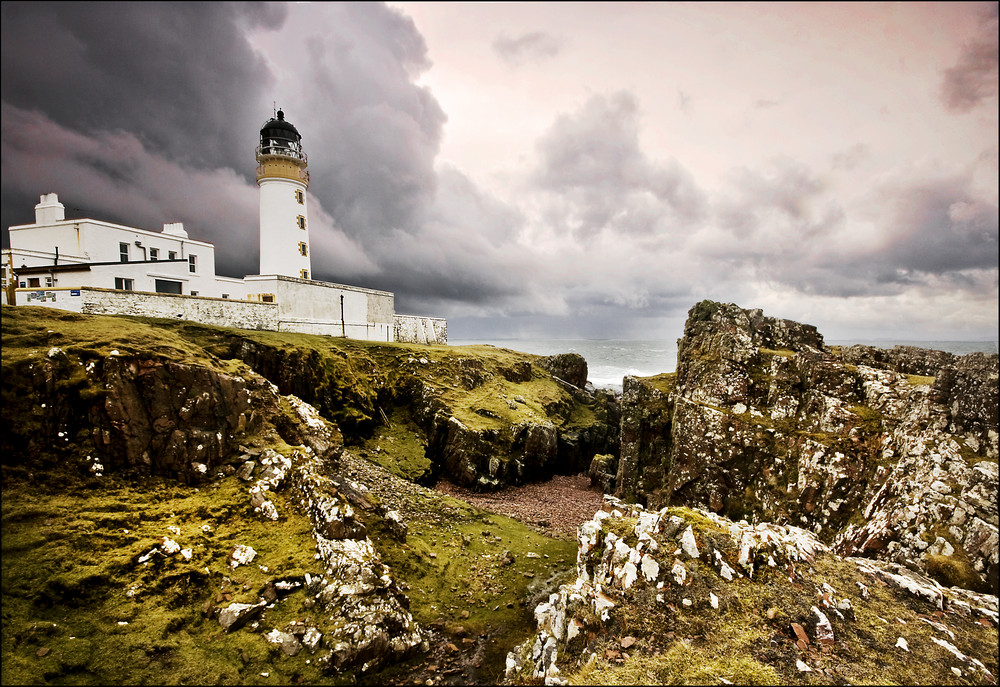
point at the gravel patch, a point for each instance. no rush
(554, 508)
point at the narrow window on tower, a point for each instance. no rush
(192, 263)
(305, 274)
(303, 250)
(300, 196)
(123, 251)
(301, 221)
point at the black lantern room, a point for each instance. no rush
(279, 137)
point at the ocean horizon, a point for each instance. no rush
(610, 360)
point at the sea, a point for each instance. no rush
(610, 360)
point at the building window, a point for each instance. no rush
(34, 282)
(168, 286)
(304, 274)
(171, 255)
(300, 196)
(194, 293)
(123, 251)
(302, 221)
(303, 249)
(225, 295)
(154, 254)
(123, 284)
(48, 282)
(192, 263)
(267, 297)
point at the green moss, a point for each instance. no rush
(69, 559)
(453, 561)
(870, 419)
(623, 528)
(400, 447)
(681, 664)
(665, 382)
(919, 380)
(955, 570)
(783, 352)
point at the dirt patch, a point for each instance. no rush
(554, 508)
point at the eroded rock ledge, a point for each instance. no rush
(683, 595)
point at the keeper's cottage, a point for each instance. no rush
(92, 266)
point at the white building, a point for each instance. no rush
(92, 266)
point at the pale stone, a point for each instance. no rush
(688, 544)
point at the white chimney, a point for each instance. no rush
(175, 229)
(49, 210)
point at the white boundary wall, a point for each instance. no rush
(300, 306)
(420, 330)
(215, 311)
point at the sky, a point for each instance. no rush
(553, 170)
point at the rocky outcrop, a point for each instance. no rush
(569, 367)
(645, 438)
(146, 414)
(684, 595)
(766, 423)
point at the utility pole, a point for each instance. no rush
(11, 280)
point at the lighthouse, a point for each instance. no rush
(283, 179)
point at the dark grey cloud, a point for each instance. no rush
(142, 114)
(973, 79)
(602, 180)
(180, 76)
(117, 92)
(939, 227)
(933, 233)
(371, 133)
(533, 46)
(112, 176)
(465, 250)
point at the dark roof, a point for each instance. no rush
(279, 129)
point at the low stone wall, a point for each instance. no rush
(365, 331)
(216, 311)
(420, 330)
(226, 312)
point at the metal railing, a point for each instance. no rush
(282, 151)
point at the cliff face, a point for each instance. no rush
(485, 419)
(768, 424)
(174, 512)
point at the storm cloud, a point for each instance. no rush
(538, 174)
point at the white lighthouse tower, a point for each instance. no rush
(283, 180)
